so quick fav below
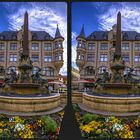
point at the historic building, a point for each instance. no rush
(46, 52)
(95, 52)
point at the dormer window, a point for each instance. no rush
(2, 37)
(125, 36)
(34, 37)
(137, 37)
(46, 37)
(105, 36)
(14, 37)
(93, 36)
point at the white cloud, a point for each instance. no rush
(41, 18)
(74, 54)
(130, 17)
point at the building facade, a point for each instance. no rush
(95, 52)
(46, 52)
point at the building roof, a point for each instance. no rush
(103, 35)
(36, 35)
(82, 33)
(57, 34)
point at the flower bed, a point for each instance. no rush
(47, 126)
(98, 126)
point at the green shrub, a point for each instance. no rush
(89, 117)
(49, 125)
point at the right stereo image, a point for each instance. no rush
(106, 68)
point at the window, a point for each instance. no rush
(1, 46)
(137, 71)
(126, 58)
(1, 58)
(81, 44)
(48, 71)
(48, 58)
(103, 46)
(35, 58)
(103, 57)
(13, 57)
(102, 68)
(137, 46)
(58, 44)
(60, 56)
(47, 46)
(125, 46)
(137, 58)
(13, 46)
(90, 57)
(35, 46)
(91, 46)
(35, 69)
(81, 57)
(89, 71)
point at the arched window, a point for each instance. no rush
(137, 71)
(48, 71)
(89, 70)
(35, 69)
(125, 36)
(101, 69)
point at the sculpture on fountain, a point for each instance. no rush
(33, 83)
(125, 83)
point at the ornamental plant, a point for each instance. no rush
(89, 117)
(48, 124)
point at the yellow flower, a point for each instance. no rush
(98, 131)
(1, 130)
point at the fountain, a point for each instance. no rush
(117, 94)
(25, 93)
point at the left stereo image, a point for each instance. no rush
(33, 71)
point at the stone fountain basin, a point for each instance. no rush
(29, 104)
(24, 85)
(25, 88)
(117, 85)
(128, 104)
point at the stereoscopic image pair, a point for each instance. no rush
(105, 69)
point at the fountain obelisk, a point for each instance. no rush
(118, 66)
(25, 64)
(118, 36)
(25, 36)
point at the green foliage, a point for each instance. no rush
(6, 134)
(75, 107)
(49, 125)
(89, 117)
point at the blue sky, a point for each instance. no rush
(43, 16)
(102, 16)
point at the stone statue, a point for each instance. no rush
(129, 77)
(38, 78)
(105, 78)
(12, 77)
